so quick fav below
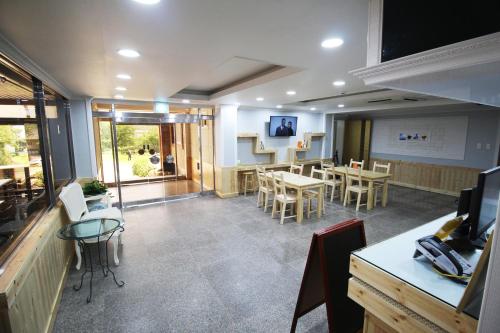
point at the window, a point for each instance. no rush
(35, 152)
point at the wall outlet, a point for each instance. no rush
(478, 145)
(487, 146)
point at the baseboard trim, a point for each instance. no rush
(423, 188)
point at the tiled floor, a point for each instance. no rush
(212, 265)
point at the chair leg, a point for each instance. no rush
(115, 250)
(375, 197)
(266, 200)
(120, 240)
(345, 197)
(358, 202)
(309, 208)
(245, 188)
(274, 208)
(333, 193)
(78, 256)
(283, 208)
(258, 198)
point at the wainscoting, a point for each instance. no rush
(430, 177)
(31, 286)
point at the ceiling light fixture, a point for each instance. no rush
(339, 83)
(123, 76)
(259, 99)
(186, 101)
(279, 106)
(332, 43)
(313, 109)
(128, 53)
(340, 105)
(148, 2)
(119, 96)
(291, 92)
(121, 88)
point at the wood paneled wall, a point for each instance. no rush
(32, 284)
(431, 177)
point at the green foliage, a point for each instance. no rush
(105, 133)
(37, 179)
(141, 166)
(94, 187)
(7, 137)
(151, 138)
(125, 135)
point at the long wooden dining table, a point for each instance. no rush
(370, 177)
(301, 183)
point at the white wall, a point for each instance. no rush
(257, 121)
(225, 135)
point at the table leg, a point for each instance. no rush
(319, 209)
(300, 206)
(369, 204)
(385, 193)
(121, 283)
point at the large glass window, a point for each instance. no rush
(35, 152)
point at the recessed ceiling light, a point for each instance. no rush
(148, 2)
(291, 92)
(129, 53)
(123, 76)
(340, 105)
(119, 96)
(186, 101)
(260, 99)
(339, 83)
(121, 88)
(279, 106)
(332, 43)
(313, 109)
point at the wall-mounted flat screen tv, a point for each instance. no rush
(282, 126)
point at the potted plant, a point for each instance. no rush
(94, 187)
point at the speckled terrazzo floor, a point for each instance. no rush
(213, 265)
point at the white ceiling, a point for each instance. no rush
(181, 41)
(198, 44)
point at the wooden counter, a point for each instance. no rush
(402, 294)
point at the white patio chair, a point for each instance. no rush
(76, 207)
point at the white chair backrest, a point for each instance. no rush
(330, 171)
(74, 201)
(353, 175)
(262, 177)
(385, 168)
(298, 169)
(356, 164)
(319, 174)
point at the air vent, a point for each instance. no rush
(413, 99)
(380, 100)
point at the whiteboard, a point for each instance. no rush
(436, 137)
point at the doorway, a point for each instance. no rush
(148, 157)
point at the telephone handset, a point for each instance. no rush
(443, 256)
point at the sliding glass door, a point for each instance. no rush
(153, 157)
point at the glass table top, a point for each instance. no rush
(88, 229)
(395, 256)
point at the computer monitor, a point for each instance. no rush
(484, 203)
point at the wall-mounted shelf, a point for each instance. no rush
(273, 153)
(308, 136)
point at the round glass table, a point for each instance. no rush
(92, 231)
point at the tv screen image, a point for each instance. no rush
(283, 126)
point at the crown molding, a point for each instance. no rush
(476, 51)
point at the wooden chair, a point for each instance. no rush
(264, 189)
(325, 165)
(379, 185)
(282, 198)
(354, 184)
(298, 169)
(248, 180)
(356, 164)
(309, 195)
(334, 183)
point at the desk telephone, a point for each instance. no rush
(443, 256)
